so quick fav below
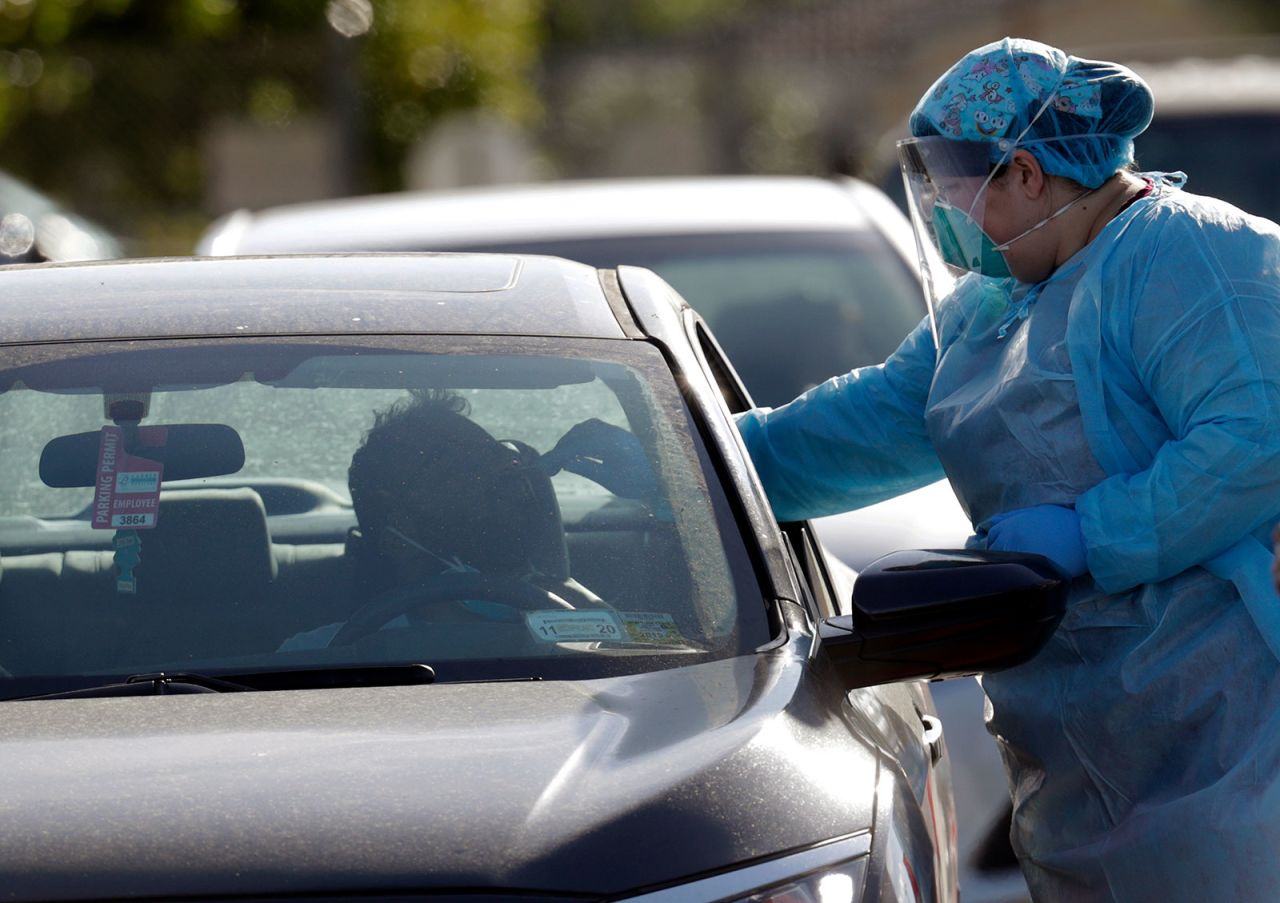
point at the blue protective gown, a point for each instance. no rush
(1141, 385)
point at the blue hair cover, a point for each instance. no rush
(1077, 117)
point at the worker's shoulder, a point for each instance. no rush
(1176, 221)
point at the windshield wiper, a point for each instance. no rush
(322, 678)
(163, 683)
(158, 684)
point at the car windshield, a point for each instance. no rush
(227, 507)
(791, 309)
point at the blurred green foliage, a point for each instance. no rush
(106, 104)
(424, 59)
(107, 101)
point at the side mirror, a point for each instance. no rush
(936, 614)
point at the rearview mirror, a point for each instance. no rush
(191, 450)
(937, 614)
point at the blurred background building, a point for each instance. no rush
(152, 117)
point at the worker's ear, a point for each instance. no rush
(1025, 175)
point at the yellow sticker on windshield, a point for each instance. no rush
(650, 627)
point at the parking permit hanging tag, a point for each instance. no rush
(127, 496)
(127, 492)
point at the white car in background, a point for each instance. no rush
(800, 278)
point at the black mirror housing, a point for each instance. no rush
(191, 451)
(934, 614)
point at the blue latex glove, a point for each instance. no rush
(604, 454)
(1049, 530)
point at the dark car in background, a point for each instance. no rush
(217, 684)
(1218, 120)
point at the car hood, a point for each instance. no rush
(592, 787)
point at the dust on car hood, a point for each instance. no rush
(591, 787)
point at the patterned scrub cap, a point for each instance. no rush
(1078, 117)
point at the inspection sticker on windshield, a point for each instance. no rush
(650, 627)
(574, 626)
(127, 491)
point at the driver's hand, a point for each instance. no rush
(604, 454)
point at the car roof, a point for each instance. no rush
(555, 210)
(341, 294)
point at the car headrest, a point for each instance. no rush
(529, 518)
(208, 539)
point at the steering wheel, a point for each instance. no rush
(517, 593)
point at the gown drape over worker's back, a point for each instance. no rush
(1139, 385)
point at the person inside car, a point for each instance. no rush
(436, 496)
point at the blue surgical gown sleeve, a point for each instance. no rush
(1195, 316)
(854, 440)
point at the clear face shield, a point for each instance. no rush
(946, 182)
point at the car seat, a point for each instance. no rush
(204, 580)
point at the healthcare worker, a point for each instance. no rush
(1099, 379)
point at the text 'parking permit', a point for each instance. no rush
(127, 490)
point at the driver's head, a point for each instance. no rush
(433, 491)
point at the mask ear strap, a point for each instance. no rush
(410, 541)
(450, 566)
(1052, 216)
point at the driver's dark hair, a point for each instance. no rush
(487, 503)
(412, 428)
